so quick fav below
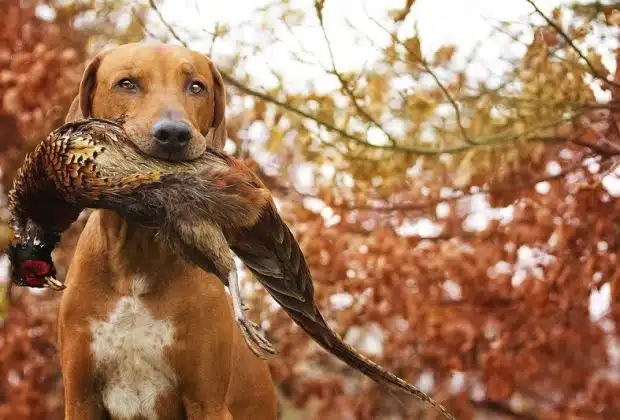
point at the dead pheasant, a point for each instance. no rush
(204, 209)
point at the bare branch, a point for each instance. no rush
(136, 15)
(502, 409)
(440, 85)
(166, 24)
(601, 150)
(345, 83)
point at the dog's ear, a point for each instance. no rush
(74, 113)
(87, 86)
(218, 126)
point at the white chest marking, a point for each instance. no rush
(129, 350)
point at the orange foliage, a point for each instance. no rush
(495, 320)
(30, 386)
(40, 67)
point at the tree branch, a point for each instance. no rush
(490, 189)
(345, 84)
(502, 409)
(269, 99)
(570, 42)
(423, 151)
(440, 85)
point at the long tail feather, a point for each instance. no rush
(271, 252)
(327, 338)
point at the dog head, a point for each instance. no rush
(172, 99)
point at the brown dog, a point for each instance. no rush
(142, 334)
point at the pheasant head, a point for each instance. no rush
(31, 262)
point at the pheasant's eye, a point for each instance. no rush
(196, 88)
(127, 84)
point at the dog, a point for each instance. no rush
(143, 334)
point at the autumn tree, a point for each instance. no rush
(461, 231)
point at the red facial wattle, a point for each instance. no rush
(35, 271)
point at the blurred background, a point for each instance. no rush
(449, 168)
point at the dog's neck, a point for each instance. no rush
(134, 251)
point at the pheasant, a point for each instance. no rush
(204, 208)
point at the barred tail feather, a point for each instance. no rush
(329, 340)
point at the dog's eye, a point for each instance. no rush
(127, 84)
(196, 88)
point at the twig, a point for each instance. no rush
(609, 148)
(570, 42)
(439, 83)
(502, 409)
(603, 151)
(136, 15)
(166, 24)
(213, 38)
(345, 84)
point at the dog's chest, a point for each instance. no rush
(129, 349)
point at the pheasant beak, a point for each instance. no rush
(54, 284)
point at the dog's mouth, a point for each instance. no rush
(148, 146)
(177, 156)
(186, 154)
(170, 156)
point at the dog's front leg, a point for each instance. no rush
(82, 402)
(84, 410)
(82, 399)
(197, 411)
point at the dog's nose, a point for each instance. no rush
(171, 135)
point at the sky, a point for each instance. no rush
(461, 22)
